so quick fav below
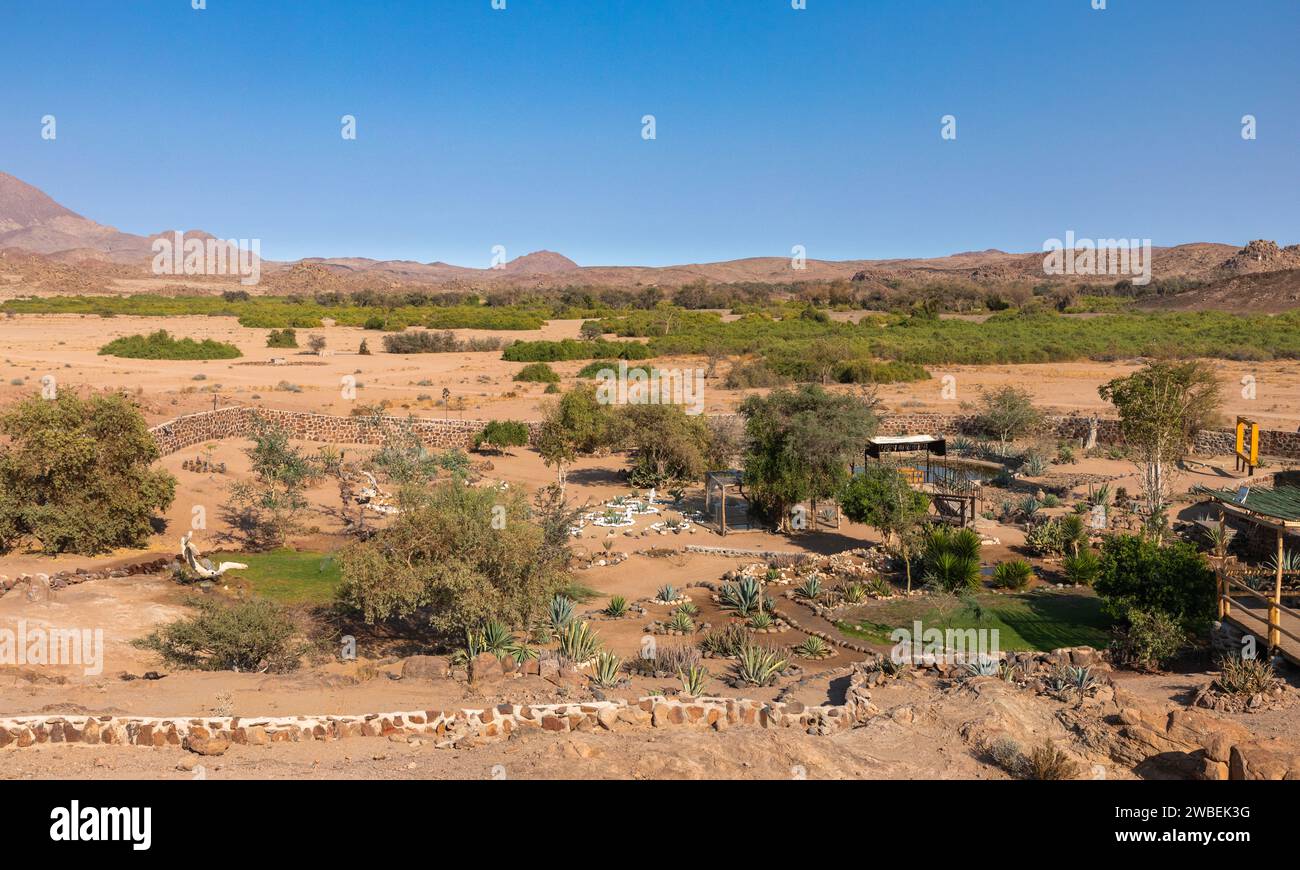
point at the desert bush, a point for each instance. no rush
(1047, 762)
(500, 434)
(1147, 639)
(754, 374)
(269, 508)
(161, 345)
(537, 373)
(568, 349)
(251, 636)
(1246, 676)
(76, 475)
(1173, 579)
(725, 641)
(282, 338)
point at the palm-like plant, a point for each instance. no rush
(1083, 568)
(952, 573)
(1074, 534)
(1015, 574)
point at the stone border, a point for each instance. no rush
(236, 421)
(450, 728)
(62, 579)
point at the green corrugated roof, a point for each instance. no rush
(1280, 503)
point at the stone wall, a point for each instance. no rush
(62, 579)
(237, 422)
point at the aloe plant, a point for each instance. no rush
(605, 671)
(760, 620)
(689, 608)
(617, 607)
(667, 593)
(578, 643)
(983, 666)
(854, 592)
(694, 679)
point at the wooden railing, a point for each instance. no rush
(1227, 582)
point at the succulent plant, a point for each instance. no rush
(681, 622)
(759, 665)
(605, 670)
(810, 589)
(742, 597)
(813, 647)
(667, 593)
(578, 643)
(694, 678)
(561, 612)
(617, 607)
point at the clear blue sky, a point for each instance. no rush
(775, 127)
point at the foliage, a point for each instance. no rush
(725, 641)
(743, 597)
(1146, 639)
(576, 424)
(951, 559)
(617, 607)
(446, 563)
(1174, 580)
(1049, 763)
(667, 593)
(254, 635)
(799, 445)
(75, 475)
(1246, 676)
(537, 373)
(881, 498)
(759, 665)
(578, 642)
(812, 647)
(568, 349)
(431, 341)
(161, 345)
(1015, 574)
(669, 446)
(694, 680)
(605, 670)
(561, 612)
(500, 434)
(282, 338)
(1083, 568)
(1006, 413)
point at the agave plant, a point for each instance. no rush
(617, 607)
(667, 593)
(605, 670)
(496, 638)
(759, 665)
(879, 587)
(983, 666)
(854, 592)
(578, 643)
(1290, 561)
(1008, 670)
(689, 608)
(760, 620)
(1035, 465)
(810, 589)
(561, 612)
(725, 641)
(743, 597)
(1218, 537)
(681, 622)
(1074, 679)
(521, 652)
(1246, 676)
(1029, 506)
(813, 647)
(694, 679)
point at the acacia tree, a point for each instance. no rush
(881, 498)
(800, 445)
(268, 508)
(75, 475)
(575, 425)
(1007, 413)
(670, 446)
(1161, 407)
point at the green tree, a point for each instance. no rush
(1174, 580)
(1161, 407)
(1006, 413)
(455, 557)
(268, 508)
(669, 445)
(75, 475)
(574, 425)
(500, 434)
(881, 498)
(800, 445)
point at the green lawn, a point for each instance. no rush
(1030, 621)
(288, 576)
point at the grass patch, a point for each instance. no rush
(288, 576)
(161, 345)
(1032, 621)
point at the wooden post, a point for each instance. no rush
(1274, 614)
(722, 509)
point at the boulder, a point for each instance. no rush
(425, 668)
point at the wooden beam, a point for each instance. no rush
(1274, 614)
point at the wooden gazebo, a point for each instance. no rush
(1261, 613)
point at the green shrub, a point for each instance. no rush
(754, 374)
(1083, 568)
(537, 373)
(282, 338)
(1015, 574)
(500, 434)
(429, 341)
(250, 636)
(1146, 639)
(1136, 573)
(568, 349)
(161, 345)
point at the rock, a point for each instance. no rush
(425, 668)
(485, 668)
(203, 742)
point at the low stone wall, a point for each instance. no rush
(62, 579)
(237, 422)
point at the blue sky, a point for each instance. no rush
(775, 127)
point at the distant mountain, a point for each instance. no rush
(34, 229)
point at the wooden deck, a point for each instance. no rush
(1276, 625)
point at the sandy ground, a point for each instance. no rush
(124, 610)
(66, 347)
